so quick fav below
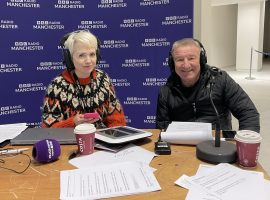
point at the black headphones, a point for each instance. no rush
(203, 57)
(67, 60)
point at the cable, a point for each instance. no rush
(13, 170)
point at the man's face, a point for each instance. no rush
(84, 59)
(187, 64)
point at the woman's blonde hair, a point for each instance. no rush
(83, 36)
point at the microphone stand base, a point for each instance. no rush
(208, 152)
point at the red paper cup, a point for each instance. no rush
(85, 137)
(248, 147)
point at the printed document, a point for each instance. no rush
(129, 153)
(225, 182)
(106, 181)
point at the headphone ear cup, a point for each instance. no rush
(67, 60)
(98, 50)
(171, 62)
(98, 55)
(203, 58)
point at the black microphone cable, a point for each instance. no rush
(5, 158)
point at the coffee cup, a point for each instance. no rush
(248, 147)
(85, 137)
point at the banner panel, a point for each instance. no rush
(136, 37)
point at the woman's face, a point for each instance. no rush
(84, 59)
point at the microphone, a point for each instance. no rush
(216, 151)
(214, 72)
(46, 150)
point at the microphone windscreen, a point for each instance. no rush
(46, 150)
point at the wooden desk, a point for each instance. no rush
(41, 181)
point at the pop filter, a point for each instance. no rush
(46, 150)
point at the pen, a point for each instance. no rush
(12, 151)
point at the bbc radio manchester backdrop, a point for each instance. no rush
(136, 37)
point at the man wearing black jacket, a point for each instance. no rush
(185, 97)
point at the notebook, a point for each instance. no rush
(31, 135)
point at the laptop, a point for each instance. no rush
(31, 135)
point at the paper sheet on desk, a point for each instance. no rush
(226, 182)
(10, 131)
(187, 133)
(129, 153)
(106, 181)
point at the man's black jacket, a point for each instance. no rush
(195, 105)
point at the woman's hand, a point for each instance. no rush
(79, 119)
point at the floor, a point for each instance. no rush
(257, 86)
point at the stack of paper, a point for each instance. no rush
(187, 133)
(225, 182)
(106, 174)
(105, 181)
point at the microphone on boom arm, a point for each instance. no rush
(216, 151)
(214, 72)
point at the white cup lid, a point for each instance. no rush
(248, 136)
(85, 128)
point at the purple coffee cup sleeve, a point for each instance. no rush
(46, 150)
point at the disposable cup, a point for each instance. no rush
(85, 137)
(248, 147)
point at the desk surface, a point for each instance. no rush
(41, 181)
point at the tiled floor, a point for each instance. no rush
(259, 91)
